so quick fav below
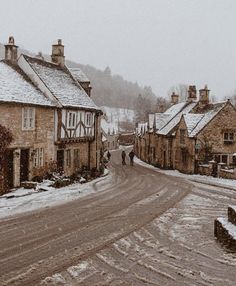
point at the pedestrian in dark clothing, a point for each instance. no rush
(131, 156)
(123, 155)
(108, 155)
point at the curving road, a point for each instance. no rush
(140, 228)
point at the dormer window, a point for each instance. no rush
(71, 119)
(228, 137)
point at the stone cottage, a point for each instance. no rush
(52, 118)
(191, 133)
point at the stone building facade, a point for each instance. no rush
(190, 134)
(54, 122)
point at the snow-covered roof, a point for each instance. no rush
(175, 116)
(61, 84)
(79, 75)
(16, 87)
(208, 115)
(161, 119)
(192, 120)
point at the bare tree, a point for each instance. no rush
(180, 89)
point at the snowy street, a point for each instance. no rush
(136, 226)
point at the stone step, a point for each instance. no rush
(225, 232)
(232, 214)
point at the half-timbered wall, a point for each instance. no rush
(76, 124)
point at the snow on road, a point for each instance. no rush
(23, 200)
(177, 248)
(224, 183)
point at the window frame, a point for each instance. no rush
(38, 157)
(228, 137)
(28, 118)
(71, 119)
(88, 119)
(68, 158)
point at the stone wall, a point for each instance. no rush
(42, 136)
(213, 133)
(228, 174)
(225, 229)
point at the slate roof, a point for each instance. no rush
(205, 117)
(16, 87)
(175, 113)
(161, 119)
(79, 75)
(61, 84)
(192, 120)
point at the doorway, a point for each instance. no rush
(24, 165)
(60, 160)
(8, 169)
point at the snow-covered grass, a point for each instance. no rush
(23, 200)
(224, 183)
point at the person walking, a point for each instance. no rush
(108, 155)
(131, 157)
(123, 155)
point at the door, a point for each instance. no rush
(8, 169)
(24, 165)
(60, 160)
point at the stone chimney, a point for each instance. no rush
(174, 98)
(192, 93)
(204, 96)
(11, 51)
(58, 53)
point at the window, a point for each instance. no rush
(68, 158)
(182, 136)
(76, 158)
(88, 119)
(38, 157)
(71, 119)
(28, 118)
(228, 137)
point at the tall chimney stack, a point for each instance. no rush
(192, 93)
(58, 53)
(11, 51)
(204, 96)
(174, 98)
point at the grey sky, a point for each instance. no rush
(155, 42)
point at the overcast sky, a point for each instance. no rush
(160, 43)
